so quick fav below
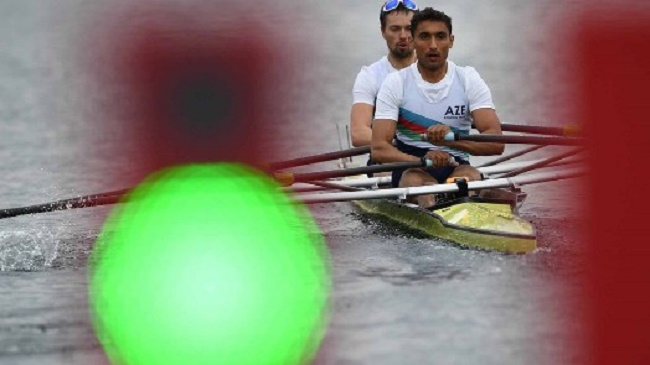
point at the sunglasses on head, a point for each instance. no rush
(393, 4)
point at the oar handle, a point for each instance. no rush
(451, 136)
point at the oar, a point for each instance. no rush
(301, 161)
(330, 185)
(538, 140)
(511, 156)
(569, 130)
(283, 177)
(572, 161)
(542, 163)
(73, 203)
(320, 186)
(438, 189)
(288, 178)
(361, 182)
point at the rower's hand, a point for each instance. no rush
(441, 158)
(436, 133)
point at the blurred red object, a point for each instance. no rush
(197, 83)
(614, 58)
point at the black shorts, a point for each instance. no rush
(370, 163)
(441, 174)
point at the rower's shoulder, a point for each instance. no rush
(379, 66)
(465, 71)
(395, 78)
(469, 77)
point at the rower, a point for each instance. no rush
(437, 96)
(395, 19)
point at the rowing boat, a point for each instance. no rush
(472, 222)
(489, 221)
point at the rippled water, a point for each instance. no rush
(398, 298)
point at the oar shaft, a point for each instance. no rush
(566, 131)
(510, 156)
(330, 185)
(287, 179)
(538, 140)
(543, 163)
(301, 161)
(365, 182)
(81, 202)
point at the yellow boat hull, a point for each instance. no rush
(469, 222)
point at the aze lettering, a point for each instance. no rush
(455, 112)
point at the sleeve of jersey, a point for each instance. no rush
(478, 92)
(365, 88)
(389, 98)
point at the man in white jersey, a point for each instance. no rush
(395, 19)
(433, 96)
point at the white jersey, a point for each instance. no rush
(416, 104)
(369, 80)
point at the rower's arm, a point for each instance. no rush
(382, 149)
(486, 121)
(384, 126)
(360, 121)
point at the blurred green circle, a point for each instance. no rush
(209, 264)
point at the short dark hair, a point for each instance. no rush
(429, 14)
(383, 14)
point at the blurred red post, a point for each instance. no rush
(614, 56)
(196, 83)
